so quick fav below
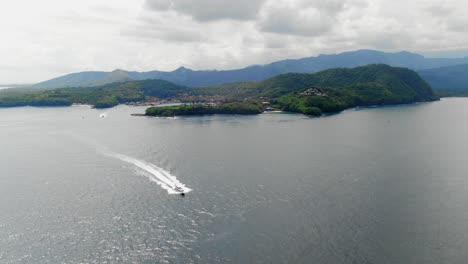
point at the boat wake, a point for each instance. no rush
(156, 174)
(163, 178)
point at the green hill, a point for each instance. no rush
(102, 96)
(225, 108)
(332, 90)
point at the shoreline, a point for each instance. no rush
(356, 108)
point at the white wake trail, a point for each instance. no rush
(156, 174)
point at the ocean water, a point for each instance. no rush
(380, 185)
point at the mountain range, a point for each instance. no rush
(433, 70)
(327, 91)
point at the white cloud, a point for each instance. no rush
(47, 38)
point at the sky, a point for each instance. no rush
(42, 39)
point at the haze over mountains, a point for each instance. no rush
(188, 77)
(449, 78)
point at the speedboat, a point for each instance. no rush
(180, 190)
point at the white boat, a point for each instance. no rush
(179, 190)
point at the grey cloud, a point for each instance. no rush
(154, 29)
(210, 10)
(159, 4)
(303, 19)
(457, 24)
(330, 6)
(276, 42)
(284, 24)
(169, 36)
(439, 11)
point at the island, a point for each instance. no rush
(226, 108)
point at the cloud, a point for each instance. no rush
(210, 10)
(56, 37)
(159, 4)
(294, 20)
(330, 6)
(150, 28)
(439, 10)
(303, 17)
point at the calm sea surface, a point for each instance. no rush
(383, 185)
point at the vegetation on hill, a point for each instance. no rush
(101, 97)
(229, 108)
(339, 89)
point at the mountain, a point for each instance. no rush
(81, 79)
(448, 79)
(184, 76)
(115, 77)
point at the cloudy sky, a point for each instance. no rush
(47, 38)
